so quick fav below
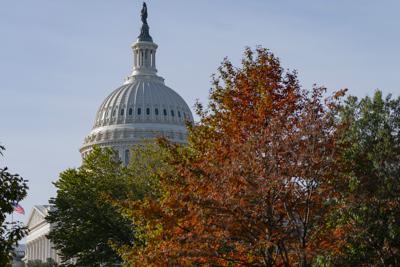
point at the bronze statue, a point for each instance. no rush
(144, 31)
(144, 13)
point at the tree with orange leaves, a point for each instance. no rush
(255, 183)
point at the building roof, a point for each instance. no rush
(143, 100)
(37, 215)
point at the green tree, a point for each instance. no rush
(367, 226)
(149, 162)
(85, 223)
(13, 189)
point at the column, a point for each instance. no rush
(34, 254)
(49, 246)
(42, 248)
(39, 256)
(47, 249)
(31, 251)
(27, 251)
(37, 249)
(40, 251)
(135, 59)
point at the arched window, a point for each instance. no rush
(165, 112)
(179, 114)
(127, 156)
(139, 111)
(130, 112)
(122, 112)
(172, 113)
(148, 111)
(113, 113)
(156, 111)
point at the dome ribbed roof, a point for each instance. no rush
(143, 101)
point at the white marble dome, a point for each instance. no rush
(143, 100)
(142, 108)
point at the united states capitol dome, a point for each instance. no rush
(142, 108)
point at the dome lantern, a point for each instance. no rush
(144, 50)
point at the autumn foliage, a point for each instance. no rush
(256, 181)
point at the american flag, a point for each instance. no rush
(18, 208)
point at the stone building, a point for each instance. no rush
(38, 247)
(142, 108)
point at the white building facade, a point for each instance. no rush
(38, 247)
(143, 108)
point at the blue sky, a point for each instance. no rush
(60, 59)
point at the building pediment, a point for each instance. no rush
(37, 216)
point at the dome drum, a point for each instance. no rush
(132, 135)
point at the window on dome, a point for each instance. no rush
(130, 112)
(179, 114)
(172, 113)
(148, 111)
(156, 111)
(139, 111)
(122, 112)
(165, 112)
(113, 113)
